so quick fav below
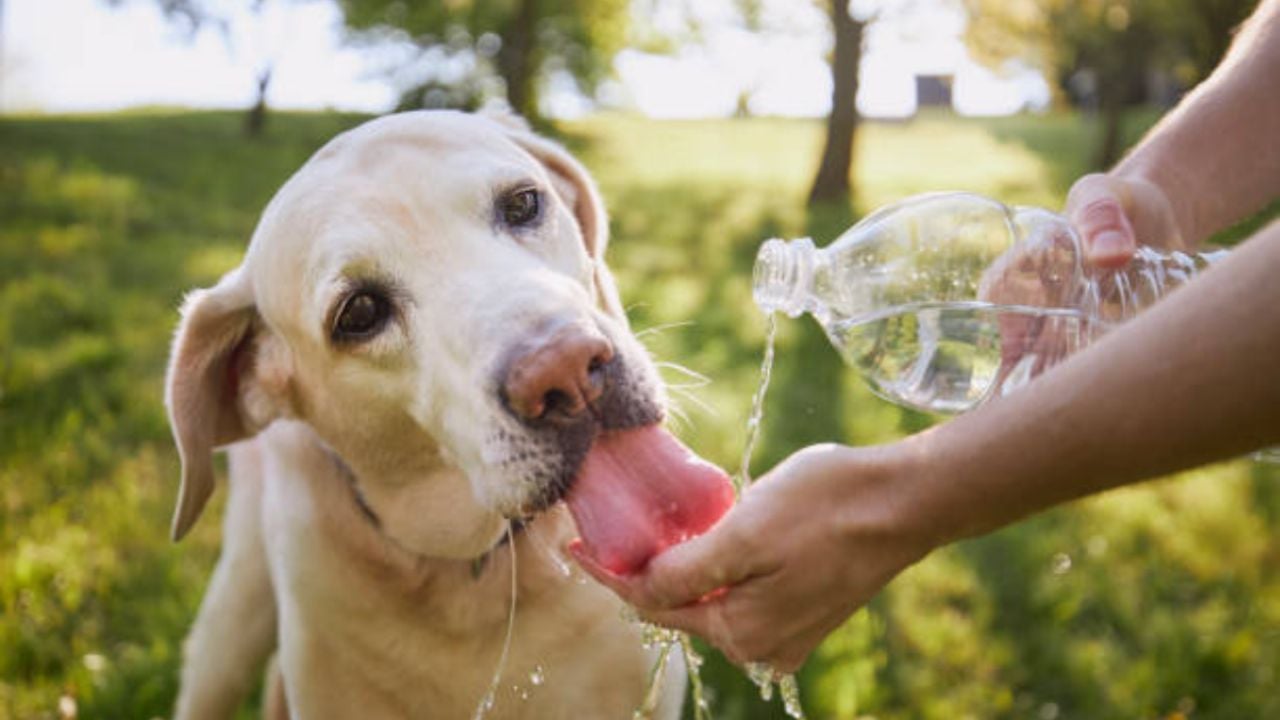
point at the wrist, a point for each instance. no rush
(889, 499)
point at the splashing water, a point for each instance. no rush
(790, 693)
(486, 702)
(693, 662)
(650, 703)
(743, 479)
(761, 674)
(666, 640)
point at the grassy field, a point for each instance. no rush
(1161, 601)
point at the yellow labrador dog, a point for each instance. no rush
(422, 344)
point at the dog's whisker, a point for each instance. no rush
(677, 412)
(698, 378)
(659, 329)
(689, 385)
(633, 306)
(686, 394)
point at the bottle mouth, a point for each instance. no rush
(779, 278)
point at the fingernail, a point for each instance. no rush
(1110, 243)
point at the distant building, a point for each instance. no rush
(933, 91)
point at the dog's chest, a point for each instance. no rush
(361, 637)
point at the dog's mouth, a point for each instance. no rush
(633, 488)
(639, 491)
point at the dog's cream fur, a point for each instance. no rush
(370, 482)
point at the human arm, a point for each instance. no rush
(1207, 164)
(1193, 379)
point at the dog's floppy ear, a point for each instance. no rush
(576, 188)
(209, 369)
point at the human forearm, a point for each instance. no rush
(1194, 379)
(1216, 157)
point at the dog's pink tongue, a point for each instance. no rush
(641, 491)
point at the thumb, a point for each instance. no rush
(1098, 208)
(690, 571)
(680, 575)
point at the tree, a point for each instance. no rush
(1117, 45)
(534, 38)
(851, 23)
(832, 181)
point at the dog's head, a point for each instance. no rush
(428, 294)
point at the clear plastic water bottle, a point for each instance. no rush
(944, 301)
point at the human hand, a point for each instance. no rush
(805, 547)
(1114, 214)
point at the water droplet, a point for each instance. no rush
(762, 675)
(537, 677)
(486, 704)
(1061, 564)
(790, 692)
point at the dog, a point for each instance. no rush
(422, 353)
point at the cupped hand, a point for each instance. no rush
(1114, 214)
(805, 547)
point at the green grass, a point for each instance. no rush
(1170, 601)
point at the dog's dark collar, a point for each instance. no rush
(478, 564)
(353, 484)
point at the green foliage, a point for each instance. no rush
(538, 37)
(104, 223)
(1146, 602)
(1121, 40)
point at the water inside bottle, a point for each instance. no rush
(950, 357)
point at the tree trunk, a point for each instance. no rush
(832, 181)
(256, 119)
(1112, 112)
(516, 61)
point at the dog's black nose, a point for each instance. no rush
(558, 377)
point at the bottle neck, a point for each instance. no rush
(783, 275)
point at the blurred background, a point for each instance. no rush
(140, 139)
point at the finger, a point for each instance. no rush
(688, 572)
(1096, 206)
(624, 587)
(681, 575)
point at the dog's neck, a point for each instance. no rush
(398, 510)
(478, 563)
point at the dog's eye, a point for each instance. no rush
(361, 317)
(520, 208)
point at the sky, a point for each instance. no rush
(85, 55)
